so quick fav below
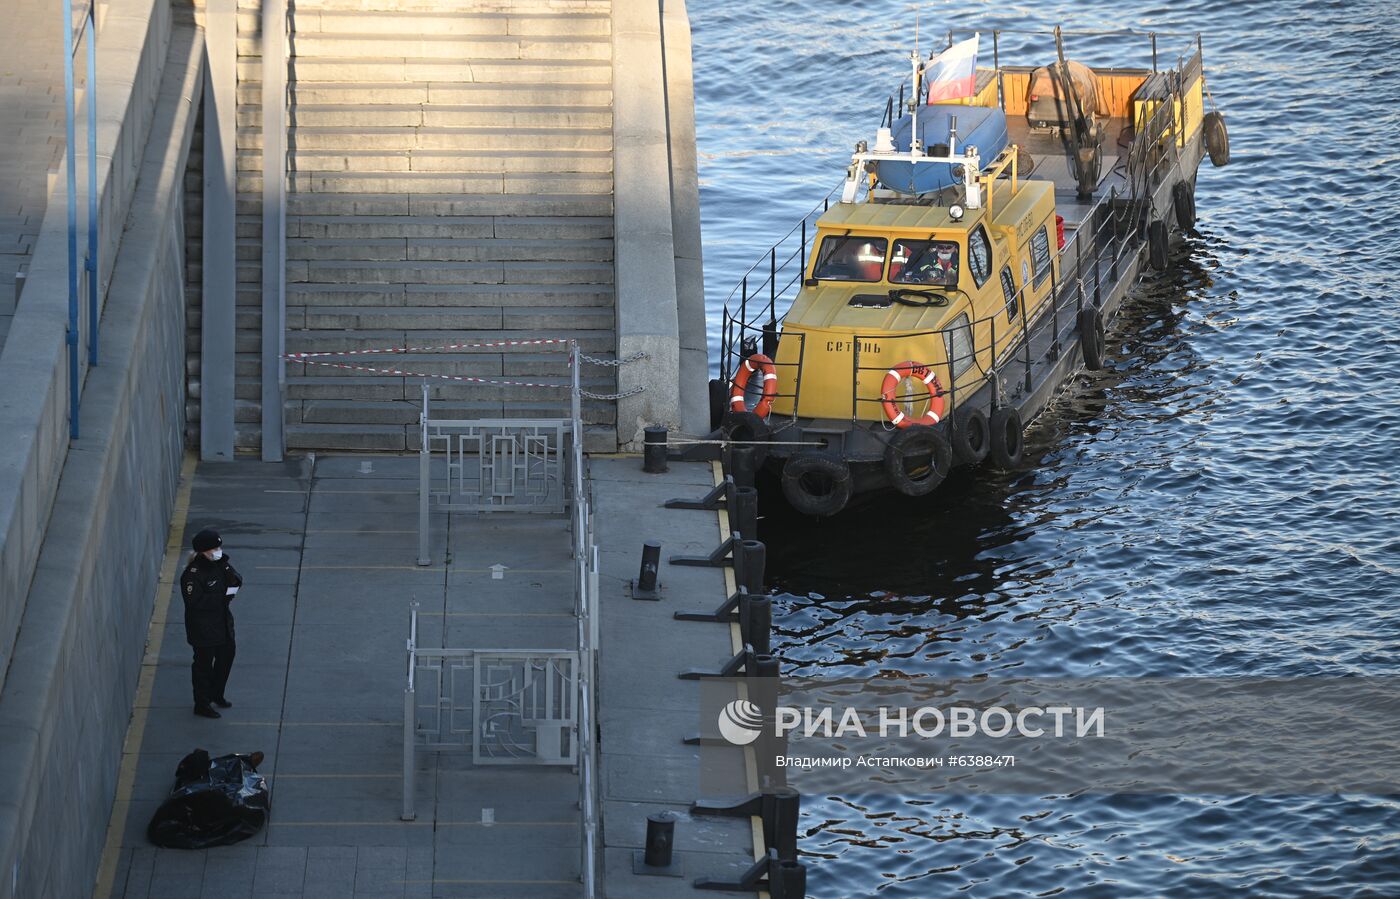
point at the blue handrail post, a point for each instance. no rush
(92, 260)
(72, 335)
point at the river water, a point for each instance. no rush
(1221, 500)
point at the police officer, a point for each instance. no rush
(208, 585)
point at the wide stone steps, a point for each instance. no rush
(412, 93)
(427, 227)
(475, 161)
(449, 181)
(476, 184)
(399, 68)
(403, 204)
(370, 45)
(466, 140)
(434, 249)
(559, 8)
(412, 23)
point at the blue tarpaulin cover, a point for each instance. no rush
(981, 126)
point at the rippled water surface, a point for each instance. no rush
(1220, 501)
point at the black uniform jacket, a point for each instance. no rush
(204, 587)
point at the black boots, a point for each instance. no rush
(204, 711)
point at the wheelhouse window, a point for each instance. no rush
(850, 258)
(1008, 291)
(979, 255)
(1040, 255)
(958, 338)
(924, 262)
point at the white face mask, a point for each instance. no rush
(216, 555)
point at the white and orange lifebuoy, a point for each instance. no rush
(919, 373)
(767, 372)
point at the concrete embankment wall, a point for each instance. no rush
(83, 525)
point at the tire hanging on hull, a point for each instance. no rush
(1008, 437)
(1091, 337)
(746, 427)
(816, 483)
(1157, 244)
(917, 460)
(971, 437)
(1184, 205)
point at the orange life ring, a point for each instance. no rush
(769, 372)
(935, 394)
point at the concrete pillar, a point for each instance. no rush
(216, 338)
(274, 225)
(685, 219)
(644, 252)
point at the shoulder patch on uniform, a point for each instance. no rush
(189, 588)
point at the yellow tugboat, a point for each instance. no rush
(967, 269)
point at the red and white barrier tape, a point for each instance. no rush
(425, 349)
(420, 374)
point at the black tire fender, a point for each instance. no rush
(1091, 337)
(1008, 441)
(1184, 204)
(803, 475)
(719, 401)
(1157, 245)
(971, 435)
(912, 443)
(1217, 138)
(746, 427)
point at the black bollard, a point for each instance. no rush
(787, 880)
(645, 586)
(661, 838)
(654, 450)
(742, 465)
(762, 681)
(743, 516)
(756, 622)
(780, 827)
(750, 557)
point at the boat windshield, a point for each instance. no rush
(924, 262)
(851, 258)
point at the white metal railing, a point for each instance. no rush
(584, 551)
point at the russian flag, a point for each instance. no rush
(952, 74)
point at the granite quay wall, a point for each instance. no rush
(85, 522)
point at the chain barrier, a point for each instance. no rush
(612, 362)
(612, 396)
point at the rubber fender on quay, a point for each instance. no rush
(746, 427)
(1008, 441)
(912, 445)
(816, 483)
(1184, 204)
(1091, 337)
(971, 435)
(1217, 138)
(1157, 245)
(719, 401)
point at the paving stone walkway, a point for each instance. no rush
(328, 556)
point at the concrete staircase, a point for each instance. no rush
(450, 181)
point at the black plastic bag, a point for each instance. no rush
(215, 802)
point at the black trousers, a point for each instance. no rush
(209, 673)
